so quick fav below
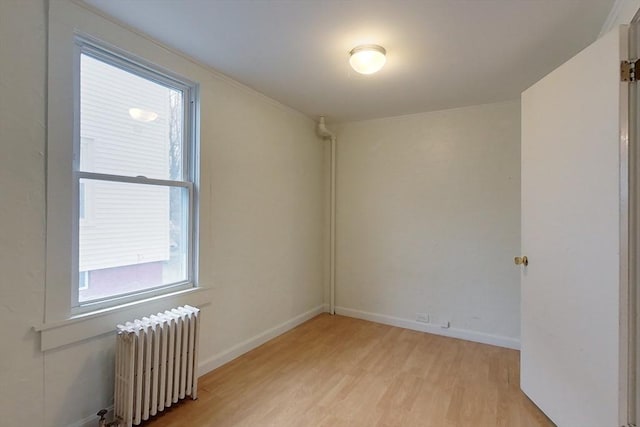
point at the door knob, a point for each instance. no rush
(521, 260)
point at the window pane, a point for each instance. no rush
(134, 125)
(136, 240)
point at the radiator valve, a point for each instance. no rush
(102, 422)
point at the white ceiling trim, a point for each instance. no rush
(622, 12)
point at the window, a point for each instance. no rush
(122, 178)
(134, 176)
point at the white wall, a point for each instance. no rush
(22, 206)
(261, 226)
(428, 220)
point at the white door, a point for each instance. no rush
(571, 204)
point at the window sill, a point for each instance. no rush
(100, 322)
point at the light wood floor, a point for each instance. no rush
(337, 371)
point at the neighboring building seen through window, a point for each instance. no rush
(134, 179)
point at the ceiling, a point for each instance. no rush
(441, 53)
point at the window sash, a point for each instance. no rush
(78, 307)
(99, 303)
(117, 58)
(132, 179)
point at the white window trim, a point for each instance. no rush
(62, 324)
(80, 327)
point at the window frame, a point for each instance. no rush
(85, 45)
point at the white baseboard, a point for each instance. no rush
(92, 420)
(226, 356)
(327, 308)
(463, 334)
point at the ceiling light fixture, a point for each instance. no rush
(368, 58)
(142, 115)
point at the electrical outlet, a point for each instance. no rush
(422, 317)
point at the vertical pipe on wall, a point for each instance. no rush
(332, 226)
(325, 133)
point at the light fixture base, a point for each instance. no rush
(368, 47)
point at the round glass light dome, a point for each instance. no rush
(142, 115)
(367, 59)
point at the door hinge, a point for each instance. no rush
(628, 70)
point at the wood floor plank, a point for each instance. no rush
(338, 371)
